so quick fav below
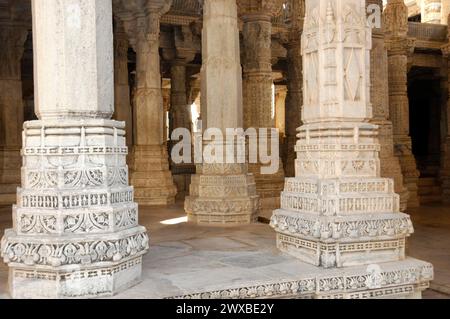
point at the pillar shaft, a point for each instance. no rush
(396, 26)
(180, 109)
(76, 232)
(181, 118)
(122, 100)
(221, 194)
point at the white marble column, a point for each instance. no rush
(76, 232)
(338, 212)
(221, 194)
(150, 174)
(13, 35)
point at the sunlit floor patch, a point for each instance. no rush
(175, 221)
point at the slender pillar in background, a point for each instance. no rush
(221, 194)
(396, 29)
(390, 165)
(257, 87)
(150, 174)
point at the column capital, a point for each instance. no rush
(395, 19)
(400, 46)
(295, 15)
(259, 9)
(141, 18)
(187, 44)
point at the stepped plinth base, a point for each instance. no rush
(86, 283)
(399, 280)
(74, 267)
(342, 241)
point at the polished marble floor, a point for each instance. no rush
(180, 253)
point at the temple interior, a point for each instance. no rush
(94, 203)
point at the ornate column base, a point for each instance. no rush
(76, 232)
(403, 150)
(353, 229)
(222, 195)
(151, 177)
(48, 268)
(338, 212)
(10, 162)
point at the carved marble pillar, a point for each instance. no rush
(76, 232)
(257, 86)
(221, 194)
(12, 38)
(445, 148)
(390, 165)
(338, 212)
(150, 174)
(122, 101)
(396, 28)
(294, 98)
